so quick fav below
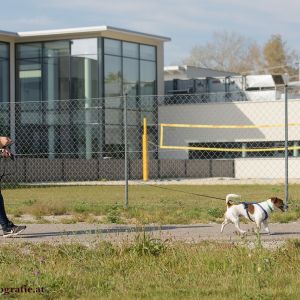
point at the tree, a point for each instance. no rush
(227, 52)
(235, 53)
(278, 58)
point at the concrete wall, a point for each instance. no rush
(236, 113)
(68, 170)
(266, 168)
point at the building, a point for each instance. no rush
(191, 72)
(50, 81)
(241, 102)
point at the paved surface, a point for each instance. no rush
(90, 234)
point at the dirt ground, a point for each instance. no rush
(90, 234)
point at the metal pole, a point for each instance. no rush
(286, 183)
(126, 149)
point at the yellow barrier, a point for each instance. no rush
(226, 126)
(228, 149)
(162, 146)
(145, 153)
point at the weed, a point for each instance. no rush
(114, 214)
(145, 245)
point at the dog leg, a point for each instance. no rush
(258, 226)
(237, 225)
(265, 223)
(226, 221)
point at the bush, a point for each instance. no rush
(145, 245)
(114, 214)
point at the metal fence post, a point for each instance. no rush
(286, 137)
(126, 149)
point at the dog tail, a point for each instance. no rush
(230, 197)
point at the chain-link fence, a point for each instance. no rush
(240, 139)
(237, 135)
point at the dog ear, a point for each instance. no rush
(274, 199)
(277, 201)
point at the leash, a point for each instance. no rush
(189, 193)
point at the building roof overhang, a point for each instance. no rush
(54, 33)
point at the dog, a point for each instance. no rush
(253, 211)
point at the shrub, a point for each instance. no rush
(114, 214)
(145, 245)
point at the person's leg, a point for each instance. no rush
(4, 221)
(9, 228)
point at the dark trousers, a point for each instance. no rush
(4, 222)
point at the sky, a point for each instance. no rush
(187, 22)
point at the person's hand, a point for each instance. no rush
(6, 153)
(5, 141)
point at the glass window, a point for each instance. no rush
(148, 71)
(130, 70)
(112, 47)
(84, 48)
(133, 117)
(55, 49)
(84, 69)
(29, 72)
(30, 50)
(114, 135)
(30, 80)
(113, 116)
(56, 66)
(147, 88)
(4, 50)
(112, 76)
(148, 52)
(113, 102)
(130, 89)
(130, 50)
(147, 102)
(4, 72)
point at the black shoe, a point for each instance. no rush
(13, 231)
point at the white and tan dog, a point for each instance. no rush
(253, 211)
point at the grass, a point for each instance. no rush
(152, 269)
(147, 204)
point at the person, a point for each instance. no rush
(8, 227)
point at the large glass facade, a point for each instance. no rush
(57, 83)
(4, 88)
(129, 69)
(75, 110)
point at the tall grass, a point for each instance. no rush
(152, 269)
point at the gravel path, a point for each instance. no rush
(90, 234)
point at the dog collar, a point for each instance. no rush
(270, 207)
